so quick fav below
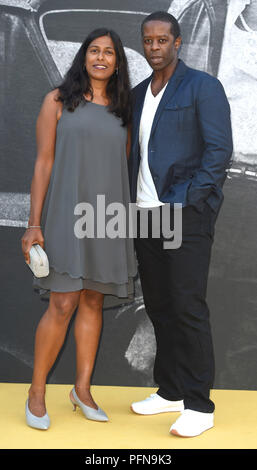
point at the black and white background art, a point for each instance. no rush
(38, 39)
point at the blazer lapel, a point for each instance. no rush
(139, 107)
(172, 86)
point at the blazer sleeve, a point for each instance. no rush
(213, 112)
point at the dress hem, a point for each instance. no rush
(83, 278)
(114, 293)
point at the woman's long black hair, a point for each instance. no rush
(76, 82)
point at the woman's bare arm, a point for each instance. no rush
(46, 137)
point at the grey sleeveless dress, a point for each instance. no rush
(90, 169)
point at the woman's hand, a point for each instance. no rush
(31, 237)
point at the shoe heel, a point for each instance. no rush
(74, 405)
(90, 413)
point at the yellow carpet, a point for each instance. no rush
(235, 422)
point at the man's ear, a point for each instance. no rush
(178, 42)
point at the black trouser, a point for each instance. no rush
(174, 284)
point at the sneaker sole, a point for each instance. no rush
(176, 433)
(165, 410)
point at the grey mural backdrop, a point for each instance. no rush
(38, 39)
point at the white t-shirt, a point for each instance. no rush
(146, 191)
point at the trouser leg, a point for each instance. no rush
(174, 286)
(189, 266)
(155, 288)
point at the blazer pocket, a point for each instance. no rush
(181, 113)
(183, 172)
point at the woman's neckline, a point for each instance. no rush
(97, 104)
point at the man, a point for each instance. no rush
(181, 148)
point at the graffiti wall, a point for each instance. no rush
(38, 40)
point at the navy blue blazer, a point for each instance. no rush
(190, 145)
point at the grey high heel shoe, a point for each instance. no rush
(90, 413)
(38, 422)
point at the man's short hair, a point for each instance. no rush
(167, 18)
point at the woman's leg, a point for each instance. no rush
(50, 335)
(88, 325)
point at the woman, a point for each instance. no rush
(82, 137)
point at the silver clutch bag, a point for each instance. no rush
(39, 264)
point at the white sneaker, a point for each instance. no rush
(156, 404)
(192, 423)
